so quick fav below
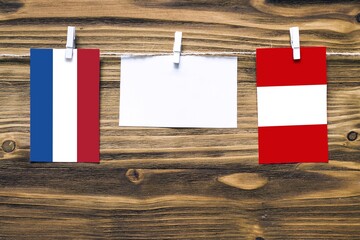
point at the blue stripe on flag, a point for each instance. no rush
(41, 104)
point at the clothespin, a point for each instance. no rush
(177, 47)
(295, 42)
(70, 42)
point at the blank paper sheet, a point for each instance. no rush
(200, 92)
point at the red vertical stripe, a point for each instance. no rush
(276, 67)
(293, 144)
(88, 105)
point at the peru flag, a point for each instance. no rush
(292, 105)
(64, 105)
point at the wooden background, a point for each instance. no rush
(180, 183)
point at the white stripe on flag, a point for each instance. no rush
(292, 105)
(64, 107)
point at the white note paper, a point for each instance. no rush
(200, 92)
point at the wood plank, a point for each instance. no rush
(216, 25)
(274, 203)
(164, 147)
(167, 183)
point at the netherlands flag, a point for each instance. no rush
(292, 105)
(64, 105)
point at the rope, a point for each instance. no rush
(128, 54)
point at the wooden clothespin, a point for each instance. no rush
(295, 42)
(177, 47)
(70, 42)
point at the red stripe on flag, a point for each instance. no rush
(293, 144)
(88, 105)
(276, 67)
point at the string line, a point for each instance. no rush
(129, 54)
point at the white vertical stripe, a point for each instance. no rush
(64, 107)
(292, 105)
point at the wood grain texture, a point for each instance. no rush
(168, 183)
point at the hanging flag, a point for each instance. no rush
(199, 92)
(292, 105)
(64, 105)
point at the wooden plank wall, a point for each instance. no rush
(180, 183)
